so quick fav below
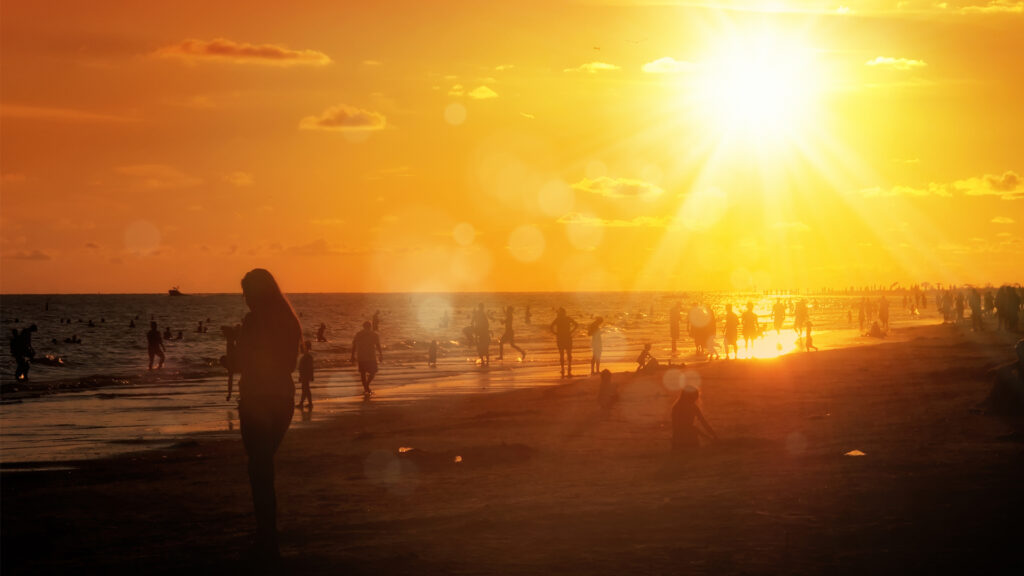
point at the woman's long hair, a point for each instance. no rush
(265, 295)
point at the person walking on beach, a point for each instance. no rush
(376, 320)
(732, 323)
(320, 333)
(688, 421)
(808, 339)
(509, 336)
(306, 374)
(883, 313)
(595, 344)
(366, 351)
(674, 317)
(563, 326)
(155, 343)
(749, 326)
(21, 349)
(264, 349)
(778, 316)
(482, 335)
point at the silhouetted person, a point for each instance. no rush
(509, 336)
(732, 324)
(883, 313)
(674, 317)
(687, 421)
(199, 328)
(862, 313)
(974, 302)
(778, 315)
(809, 340)
(21, 349)
(606, 395)
(527, 314)
(596, 345)
(710, 331)
(563, 326)
(155, 345)
(167, 333)
(697, 321)
(482, 335)
(800, 317)
(131, 323)
(376, 320)
(320, 336)
(432, 354)
(181, 335)
(366, 351)
(306, 375)
(749, 326)
(644, 361)
(265, 348)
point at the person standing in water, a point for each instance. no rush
(509, 336)
(596, 345)
(306, 374)
(366, 348)
(563, 326)
(778, 315)
(749, 326)
(264, 349)
(732, 323)
(674, 315)
(155, 343)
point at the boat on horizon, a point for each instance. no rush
(174, 292)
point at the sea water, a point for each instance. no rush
(103, 400)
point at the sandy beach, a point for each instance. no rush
(543, 480)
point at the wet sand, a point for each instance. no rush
(550, 483)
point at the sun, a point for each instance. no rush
(760, 86)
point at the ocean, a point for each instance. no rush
(102, 400)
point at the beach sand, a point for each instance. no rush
(550, 483)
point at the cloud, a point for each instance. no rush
(995, 7)
(504, 67)
(667, 65)
(895, 63)
(342, 118)
(1008, 186)
(239, 179)
(593, 68)
(618, 187)
(224, 50)
(527, 115)
(793, 226)
(61, 114)
(482, 93)
(159, 176)
(33, 255)
(318, 247)
(457, 90)
(372, 63)
(638, 222)
(1002, 220)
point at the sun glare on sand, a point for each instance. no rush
(759, 86)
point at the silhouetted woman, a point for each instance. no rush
(266, 347)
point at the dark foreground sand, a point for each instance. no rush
(548, 483)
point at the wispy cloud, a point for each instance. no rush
(159, 176)
(372, 63)
(224, 50)
(1008, 186)
(995, 7)
(342, 118)
(239, 179)
(667, 65)
(60, 114)
(482, 93)
(1002, 220)
(618, 187)
(30, 255)
(888, 63)
(593, 68)
(457, 90)
(639, 222)
(504, 67)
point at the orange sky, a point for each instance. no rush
(464, 145)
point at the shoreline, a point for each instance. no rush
(547, 482)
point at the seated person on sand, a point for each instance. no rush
(1006, 400)
(876, 330)
(687, 421)
(645, 362)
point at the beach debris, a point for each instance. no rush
(458, 459)
(404, 449)
(855, 453)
